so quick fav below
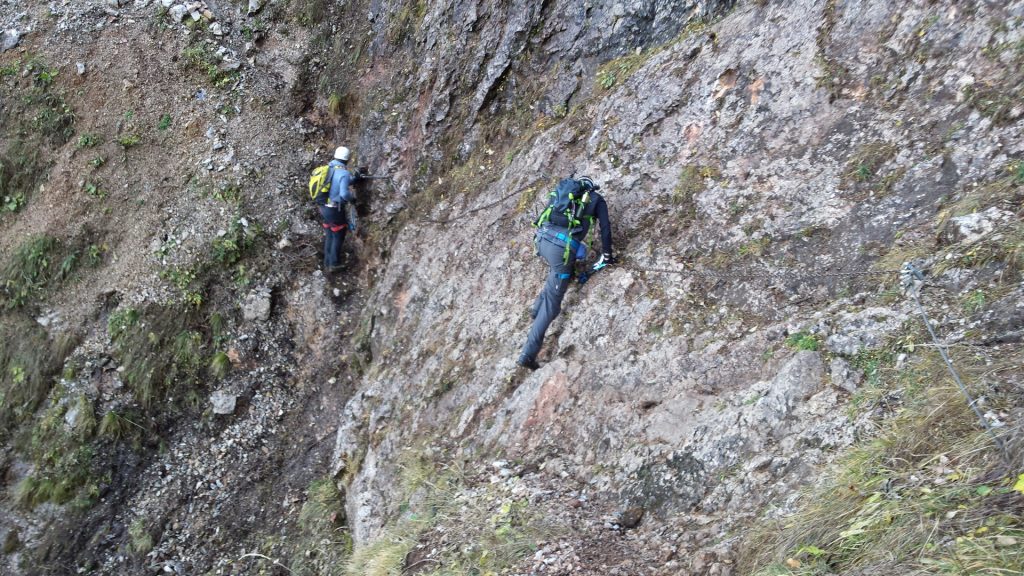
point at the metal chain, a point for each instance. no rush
(912, 280)
(767, 275)
(470, 211)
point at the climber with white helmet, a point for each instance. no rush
(337, 208)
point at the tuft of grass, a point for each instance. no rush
(865, 166)
(803, 341)
(220, 365)
(61, 456)
(324, 509)
(692, 181)
(165, 122)
(487, 530)
(161, 354)
(129, 140)
(140, 541)
(334, 104)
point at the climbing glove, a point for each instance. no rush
(606, 259)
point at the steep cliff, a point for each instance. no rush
(748, 391)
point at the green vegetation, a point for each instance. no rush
(833, 74)
(58, 445)
(29, 361)
(617, 71)
(803, 341)
(406, 21)
(38, 266)
(922, 496)
(140, 541)
(129, 140)
(36, 117)
(200, 57)
(864, 167)
(94, 191)
(755, 248)
(165, 122)
(89, 140)
(20, 174)
(334, 104)
(160, 352)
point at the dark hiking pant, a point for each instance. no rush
(548, 304)
(334, 234)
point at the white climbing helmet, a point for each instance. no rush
(342, 154)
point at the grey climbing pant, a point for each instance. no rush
(549, 302)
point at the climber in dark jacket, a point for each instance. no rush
(338, 212)
(559, 240)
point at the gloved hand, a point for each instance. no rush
(606, 259)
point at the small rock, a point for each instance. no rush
(80, 68)
(177, 13)
(113, 4)
(223, 402)
(9, 40)
(254, 6)
(216, 29)
(631, 517)
(257, 306)
(1006, 541)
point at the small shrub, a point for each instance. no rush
(31, 272)
(200, 57)
(974, 302)
(160, 352)
(165, 122)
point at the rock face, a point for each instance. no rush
(767, 165)
(769, 138)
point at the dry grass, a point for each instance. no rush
(452, 525)
(930, 494)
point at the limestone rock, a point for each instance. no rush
(223, 402)
(9, 40)
(257, 305)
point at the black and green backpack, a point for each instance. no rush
(569, 200)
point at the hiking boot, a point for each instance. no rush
(528, 363)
